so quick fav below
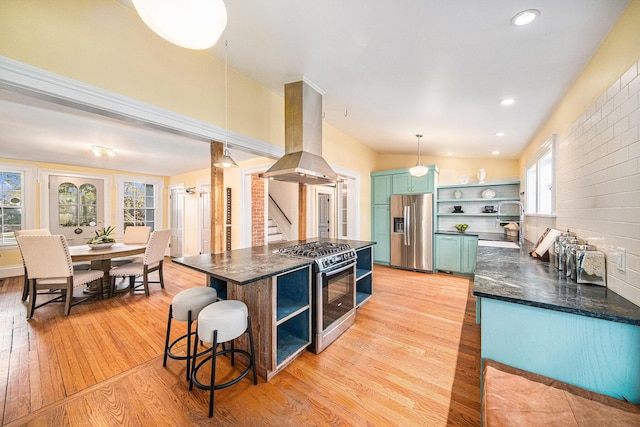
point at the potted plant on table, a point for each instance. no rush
(102, 239)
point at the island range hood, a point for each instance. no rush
(302, 161)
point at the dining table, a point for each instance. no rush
(101, 259)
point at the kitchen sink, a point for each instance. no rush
(498, 244)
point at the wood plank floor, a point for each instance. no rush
(411, 359)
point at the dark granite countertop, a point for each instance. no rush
(243, 266)
(512, 275)
(481, 235)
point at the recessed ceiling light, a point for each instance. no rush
(507, 101)
(525, 17)
(499, 133)
(495, 152)
(449, 154)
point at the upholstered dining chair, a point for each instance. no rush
(151, 261)
(133, 235)
(48, 266)
(29, 232)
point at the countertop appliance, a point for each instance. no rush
(333, 289)
(412, 231)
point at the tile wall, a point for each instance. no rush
(598, 180)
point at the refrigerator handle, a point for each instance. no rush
(407, 224)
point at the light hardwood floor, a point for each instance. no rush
(411, 359)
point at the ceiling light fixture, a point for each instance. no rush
(193, 24)
(100, 151)
(525, 17)
(225, 161)
(495, 152)
(499, 133)
(418, 170)
(507, 101)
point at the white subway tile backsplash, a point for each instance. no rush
(598, 178)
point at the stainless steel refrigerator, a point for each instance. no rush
(412, 231)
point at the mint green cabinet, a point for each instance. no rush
(456, 254)
(380, 189)
(381, 234)
(404, 183)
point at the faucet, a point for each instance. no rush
(509, 216)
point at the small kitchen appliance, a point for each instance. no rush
(333, 288)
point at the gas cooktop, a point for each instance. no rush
(314, 249)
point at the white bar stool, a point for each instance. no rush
(219, 323)
(185, 307)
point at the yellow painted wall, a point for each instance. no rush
(619, 50)
(451, 169)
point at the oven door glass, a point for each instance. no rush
(338, 294)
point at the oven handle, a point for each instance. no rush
(340, 270)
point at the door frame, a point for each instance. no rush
(43, 180)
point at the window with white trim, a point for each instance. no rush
(139, 202)
(540, 181)
(16, 200)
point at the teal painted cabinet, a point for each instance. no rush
(381, 234)
(404, 183)
(596, 354)
(456, 254)
(380, 189)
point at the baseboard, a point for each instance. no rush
(11, 271)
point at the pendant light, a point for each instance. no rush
(193, 24)
(418, 170)
(225, 161)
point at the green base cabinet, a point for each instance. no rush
(381, 234)
(455, 254)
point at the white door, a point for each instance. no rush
(177, 213)
(205, 218)
(324, 215)
(76, 207)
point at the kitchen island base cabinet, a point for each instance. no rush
(592, 353)
(364, 274)
(281, 306)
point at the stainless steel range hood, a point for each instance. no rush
(302, 162)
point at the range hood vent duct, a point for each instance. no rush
(302, 162)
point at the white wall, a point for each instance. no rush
(598, 179)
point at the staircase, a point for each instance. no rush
(274, 233)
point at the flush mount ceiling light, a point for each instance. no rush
(499, 133)
(418, 170)
(507, 101)
(525, 17)
(100, 151)
(495, 152)
(194, 24)
(225, 161)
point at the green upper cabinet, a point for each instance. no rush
(380, 189)
(404, 183)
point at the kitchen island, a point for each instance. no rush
(534, 319)
(277, 290)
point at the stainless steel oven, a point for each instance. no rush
(334, 289)
(335, 303)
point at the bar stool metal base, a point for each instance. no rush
(213, 354)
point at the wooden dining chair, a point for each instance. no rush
(152, 261)
(49, 266)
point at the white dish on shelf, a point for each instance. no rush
(488, 194)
